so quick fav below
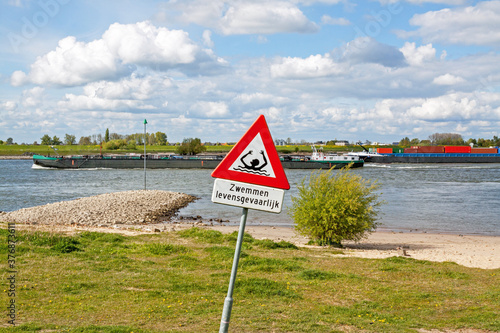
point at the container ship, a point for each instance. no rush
(435, 154)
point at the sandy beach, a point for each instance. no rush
(471, 251)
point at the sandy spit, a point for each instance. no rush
(124, 208)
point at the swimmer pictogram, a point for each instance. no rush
(256, 165)
(254, 159)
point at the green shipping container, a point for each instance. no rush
(398, 150)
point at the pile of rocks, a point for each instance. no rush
(130, 207)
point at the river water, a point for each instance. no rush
(446, 198)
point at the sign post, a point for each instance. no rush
(228, 302)
(250, 176)
(145, 138)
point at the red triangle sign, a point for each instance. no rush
(254, 159)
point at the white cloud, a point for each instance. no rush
(460, 128)
(259, 98)
(447, 107)
(75, 63)
(18, 78)
(200, 12)
(130, 93)
(207, 39)
(134, 87)
(422, 2)
(231, 17)
(273, 114)
(334, 114)
(18, 3)
(311, 67)
(448, 80)
(144, 44)
(473, 25)
(265, 18)
(32, 97)
(417, 56)
(8, 106)
(204, 109)
(82, 102)
(326, 19)
(368, 50)
(326, 2)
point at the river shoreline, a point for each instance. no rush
(469, 251)
(6, 157)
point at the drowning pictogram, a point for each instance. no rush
(255, 166)
(254, 159)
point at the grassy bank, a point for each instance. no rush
(177, 282)
(20, 150)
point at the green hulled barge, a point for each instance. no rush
(174, 161)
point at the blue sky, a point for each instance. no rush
(318, 70)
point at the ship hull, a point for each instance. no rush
(138, 163)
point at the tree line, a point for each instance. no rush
(112, 139)
(115, 140)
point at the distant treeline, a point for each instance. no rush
(160, 138)
(449, 139)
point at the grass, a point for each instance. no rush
(177, 282)
(18, 150)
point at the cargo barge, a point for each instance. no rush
(437, 154)
(436, 158)
(180, 162)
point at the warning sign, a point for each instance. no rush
(246, 195)
(254, 159)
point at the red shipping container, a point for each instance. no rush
(457, 149)
(484, 150)
(411, 150)
(431, 149)
(384, 150)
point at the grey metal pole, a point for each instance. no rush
(228, 303)
(145, 122)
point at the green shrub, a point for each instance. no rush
(115, 144)
(334, 207)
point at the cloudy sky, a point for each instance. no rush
(317, 69)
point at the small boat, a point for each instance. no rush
(365, 155)
(335, 159)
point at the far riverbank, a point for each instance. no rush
(16, 157)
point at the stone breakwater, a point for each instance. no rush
(130, 207)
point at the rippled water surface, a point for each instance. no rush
(454, 198)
